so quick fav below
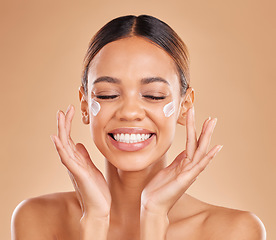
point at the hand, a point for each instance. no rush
(90, 185)
(170, 183)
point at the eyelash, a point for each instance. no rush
(106, 96)
(154, 97)
(145, 96)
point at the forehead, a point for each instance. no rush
(132, 58)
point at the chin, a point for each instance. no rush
(130, 164)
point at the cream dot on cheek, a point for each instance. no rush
(95, 107)
(169, 109)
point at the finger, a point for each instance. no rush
(204, 141)
(200, 166)
(72, 145)
(68, 122)
(191, 143)
(81, 158)
(167, 174)
(68, 119)
(62, 134)
(61, 127)
(80, 154)
(63, 155)
(205, 124)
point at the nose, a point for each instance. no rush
(130, 110)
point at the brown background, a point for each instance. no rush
(232, 48)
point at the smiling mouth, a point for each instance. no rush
(130, 138)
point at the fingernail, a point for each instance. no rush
(218, 149)
(221, 146)
(214, 122)
(68, 109)
(52, 138)
(58, 114)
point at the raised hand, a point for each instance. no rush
(171, 182)
(90, 185)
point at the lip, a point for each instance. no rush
(131, 147)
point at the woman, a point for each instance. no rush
(135, 89)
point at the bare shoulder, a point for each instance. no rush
(214, 222)
(226, 223)
(41, 217)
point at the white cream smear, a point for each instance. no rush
(95, 107)
(169, 109)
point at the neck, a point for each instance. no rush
(126, 188)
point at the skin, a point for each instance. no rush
(140, 197)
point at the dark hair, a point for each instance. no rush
(157, 31)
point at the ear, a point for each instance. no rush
(186, 103)
(84, 106)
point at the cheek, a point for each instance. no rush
(95, 107)
(167, 123)
(98, 120)
(165, 119)
(99, 117)
(163, 113)
(169, 109)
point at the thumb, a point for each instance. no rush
(184, 154)
(84, 153)
(82, 150)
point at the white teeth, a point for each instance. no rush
(131, 138)
(126, 138)
(122, 138)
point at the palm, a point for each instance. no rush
(172, 182)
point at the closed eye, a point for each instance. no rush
(154, 97)
(106, 96)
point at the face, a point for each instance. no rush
(133, 80)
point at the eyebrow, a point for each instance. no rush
(107, 79)
(154, 79)
(118, 81)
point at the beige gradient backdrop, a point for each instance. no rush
(232, 48)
